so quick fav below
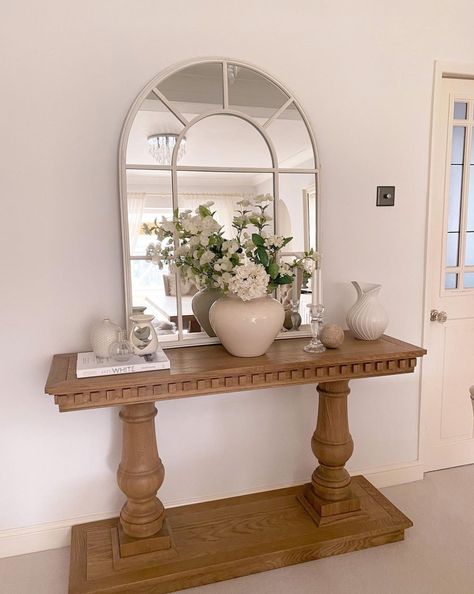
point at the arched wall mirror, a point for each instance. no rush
(213, 130)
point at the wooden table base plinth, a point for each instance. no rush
(323, 510)
(130, 546)
(220, 540)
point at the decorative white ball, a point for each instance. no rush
(332, 336)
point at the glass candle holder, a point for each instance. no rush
(121, 350)
(316, 313)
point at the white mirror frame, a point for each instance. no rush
(151, 87)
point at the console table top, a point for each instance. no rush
(211, 369)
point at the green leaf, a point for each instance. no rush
(286, 241)
(257, 240)
(284, 279)
(273, 269)
(262, 255)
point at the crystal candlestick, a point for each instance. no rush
(316, 312)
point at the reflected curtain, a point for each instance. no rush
(135, 206)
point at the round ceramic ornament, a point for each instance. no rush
(102, 336)
(332, 336)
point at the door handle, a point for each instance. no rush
(438, 316)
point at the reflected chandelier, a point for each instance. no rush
(161, 147)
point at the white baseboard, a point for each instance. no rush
(54, 535)
(388, 476)
(40, 537)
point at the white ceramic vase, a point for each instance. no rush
(246, 328)
(201, 304)
(102, 336)
(367, 319)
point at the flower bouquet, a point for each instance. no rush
(245, 268)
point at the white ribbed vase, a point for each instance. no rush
(367, 319)
(246, 328)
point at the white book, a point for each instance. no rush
(89, 366)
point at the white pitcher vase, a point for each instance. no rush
(367, 319)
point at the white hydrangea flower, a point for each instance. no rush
(226, 264)
(261, 198)
(182, 250)
(194, 241)
(241, 220)
(191, 225)
(250, 281)
(244, 202)
(209, 225)
(204, 239)
(166, 225)
(275, 241)
(308, 265)
(207, 257)
(230, 246)
(284, 268)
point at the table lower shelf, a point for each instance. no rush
(228, 538)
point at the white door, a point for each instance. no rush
(448, 369)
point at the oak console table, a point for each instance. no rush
(153, 551)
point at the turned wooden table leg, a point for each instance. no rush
(140, 475)
(329, 492)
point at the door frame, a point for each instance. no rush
(441, 70)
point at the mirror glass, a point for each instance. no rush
(254, 94)
(291, 139)
(213, 132)
(152, 118)
(218, 140)
(149, 197)
(195, 89)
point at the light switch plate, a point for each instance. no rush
(385, 195)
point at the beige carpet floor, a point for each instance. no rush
(437, 556)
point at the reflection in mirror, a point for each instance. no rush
(296, 298)
(222, 158)
(291, 139)
(225, 190)
(297, 220)
(310, 210)
(153, 119)
(152, 288)
(218, 141)
(194, 90)
(252, 93)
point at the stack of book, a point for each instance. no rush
(88, 365)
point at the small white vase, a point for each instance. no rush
(367, 319)
(102, 336)
(246, 328)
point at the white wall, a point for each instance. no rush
(69, 72)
